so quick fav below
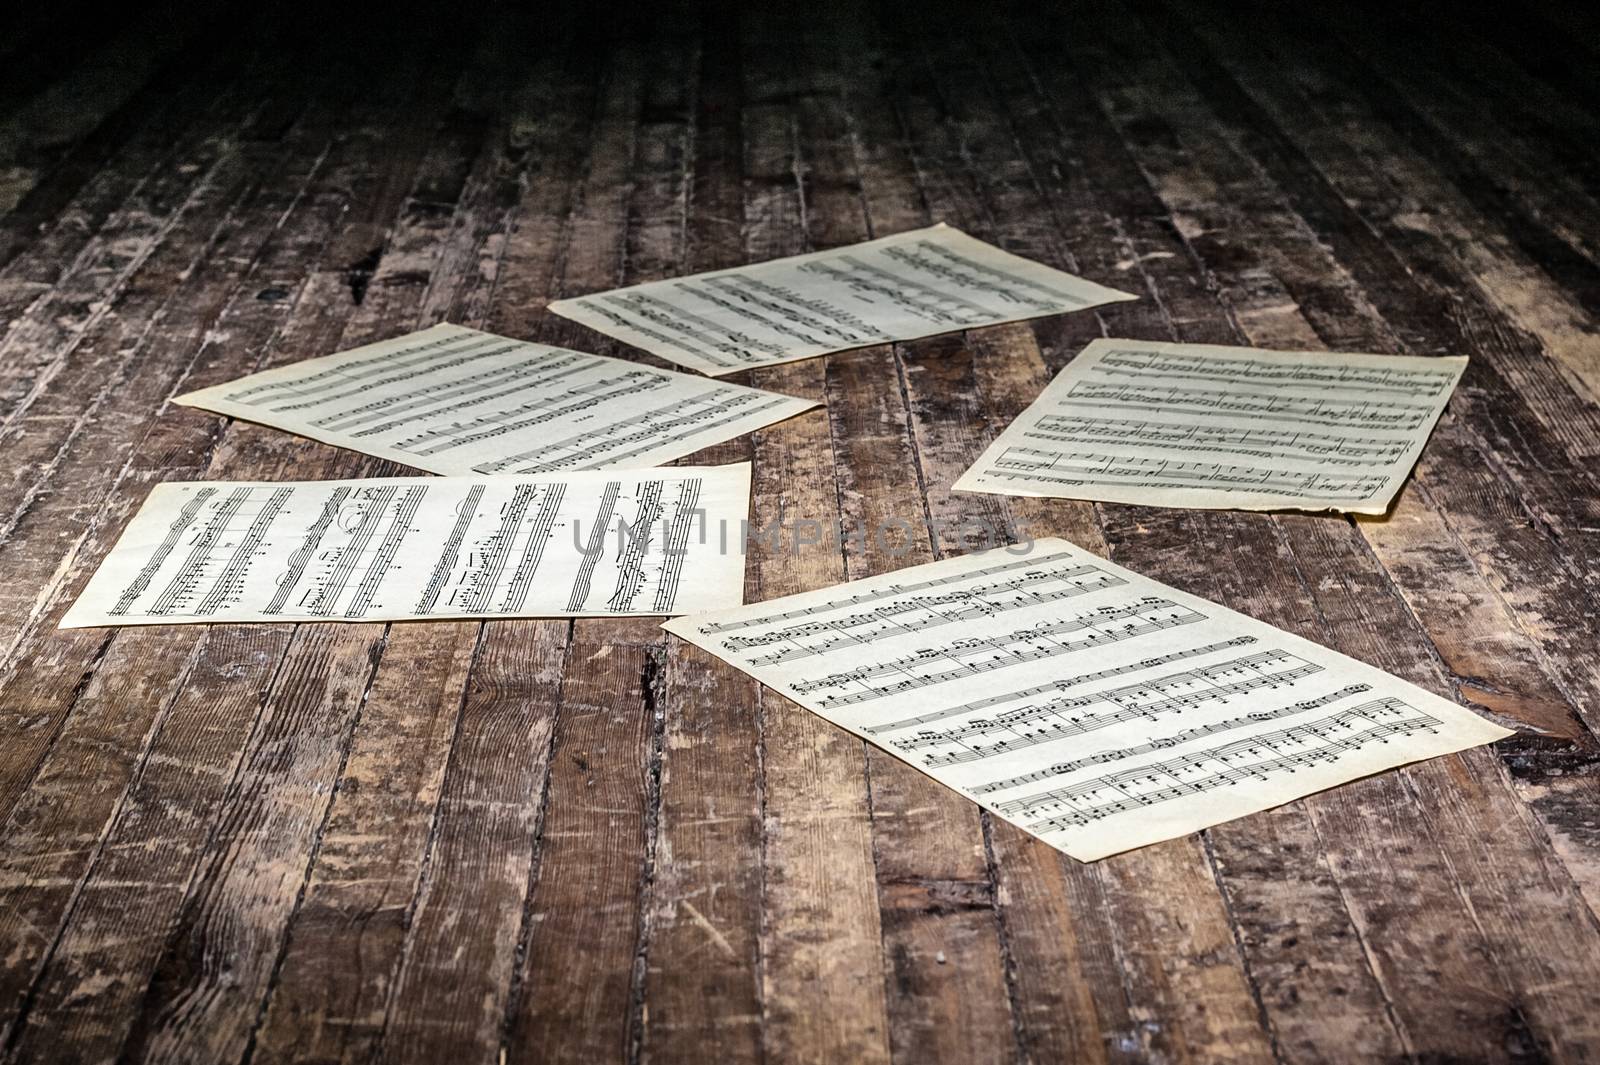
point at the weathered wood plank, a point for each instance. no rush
(1529, 610)
(64, 275)
(450, 990)
(1267, 313)
(948, 997)
(1005, 178)
(823, 970)
(529, 269)
(183, 443)
(701, 993)
(1560, 1027)
(319, 739)
(90, 89)
(1068, 996)
(330, 993)
(38, 680)
(590, 903)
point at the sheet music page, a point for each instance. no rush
(410, 548)
(1213, 427)
(915, 284)
(1095, 708)
(457, 401)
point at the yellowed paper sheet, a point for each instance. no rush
(453, 400)
(915, 284)
(1200, 425)
(426, 548)
(1095, 708)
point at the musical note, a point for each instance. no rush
(450, 556)
(1191, 437)
(1063, 717)
(1286, 750)
(229, 583)
(1036, 466)
(1206, 426)
(973, 655)
(620, 442)
(900, 287)
(212, 527)
(587, 543)
(302, 555)
(678, 529)
(453, 400)
(535, 538)
(1091, 706)
(919, 613)
(147, 573)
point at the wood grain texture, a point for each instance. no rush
(581, 841)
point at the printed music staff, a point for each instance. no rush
(400, 549)
(1198, 425)
(456, 401)
(910, 285)
(1093, 707)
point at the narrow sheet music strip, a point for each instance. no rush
(399, 549)
(915, 284)
(1095, 708)
(453, 400)
(1200, 425)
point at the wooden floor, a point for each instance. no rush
(538, 841)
